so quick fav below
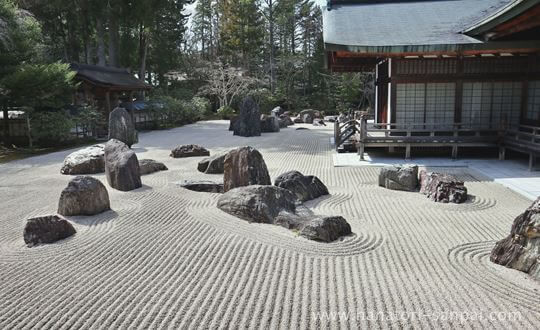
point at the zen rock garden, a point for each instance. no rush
(438, 187)
(250, 122)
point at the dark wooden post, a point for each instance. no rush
(363, 136)
(7, 139)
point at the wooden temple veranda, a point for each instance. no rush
(449, 73)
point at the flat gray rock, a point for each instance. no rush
(189, 150)
(149, 166)
(399, 177)
(89, 160)
(202, 186)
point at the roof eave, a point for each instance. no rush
(507, 13)
(396, 50)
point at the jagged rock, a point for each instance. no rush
(277, 111)
(275, 205)
(189, 150)
(304, 187)
(269, 124)
(298, 120)
(257, 203)
(442, 188)
(84, 195)
(212, 165)
(521, 249)
(307, 118)
(121, 166)
(398, 177)
(149, 166)
(121, 127)
(47, 229)
(248, 122)
(243, 167)
(287, 120)
(89, 160)
(202, 186)
(326, 229)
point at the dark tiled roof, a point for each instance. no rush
(108, 77)
(404, 23)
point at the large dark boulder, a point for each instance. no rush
(121, 127)
(269, 124)
(309, 115)
(398, 177)
(212, 165)
(189, 150)
(521, 249)
(278, 206)
(326, 229)
(89, 160)
(84, 195)
(121, 166)
(442, 188)
(304, 187)
(47, 229)
(257, 203)
(286, 120)
(243, 167)
(149, 166)
(202, 186)
(248, 122)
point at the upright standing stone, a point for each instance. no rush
(277, 111)
(121, 127)
(248, 122)
(244, 166)
(121, 166)
(84, 195)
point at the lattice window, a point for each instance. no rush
(425, 103)
(410, 103)
(440, 103)
(533, 101)
(491, 105)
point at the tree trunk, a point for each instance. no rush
(272, 46)
(143, 52)
(100, 33)
(113, 39)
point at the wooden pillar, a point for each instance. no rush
(502, 153)
(532, 161)
(458, 98)
(7, 139)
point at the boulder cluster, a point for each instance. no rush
(250, 121)
(438, 187)
(521, 249)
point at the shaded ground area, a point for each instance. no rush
(166, 257)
